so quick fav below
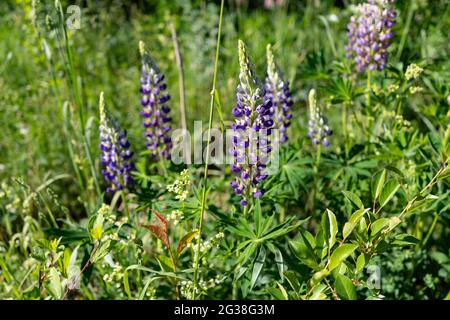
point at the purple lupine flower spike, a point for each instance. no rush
(318, 128)
(370, 34)
(155, 109)
(116, 156)
(277, 90)
(252, 130)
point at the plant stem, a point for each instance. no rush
(430, 231)
(125, 203)
(318, 156)
(205, 175)
(369, 88)
(405, 30)
(345, 129)
(179, 62)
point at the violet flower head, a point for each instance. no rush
(318, 129)
(370, 34)
(155, 109)
(252, 129)
(116, 156)
(277, 90)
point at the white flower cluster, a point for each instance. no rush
(187, 289)
(175, 216)
(208, 244)
(115, 275)
(180, 186)
(413, 71)
(415, 89)
(393, 87)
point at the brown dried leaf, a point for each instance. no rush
(159, 228)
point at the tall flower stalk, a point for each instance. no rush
(155, 109)
(318, 128)
(277, 90)
(370, 34)
(252, 129)
(116, 156)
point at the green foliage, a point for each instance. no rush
(366, 218)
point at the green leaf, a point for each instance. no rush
(257, 266)
(97, 228)
(126, 284)
(330, 228)
(345, 288)
(319, 276)
(340, 254)
(276, 293)
(318, 292)
(348, 228)
(393, 222)
(54, 286)
(440, 257)
(389, 190)
(278, 259)
(353, 198)
(283, 291)
(304, 254)
(405, 239)
(377, 226)
(165, 263)
(66, 261)
(102, 251)
(355, 218)
(377, 184)
(360, 263)
(293, 281)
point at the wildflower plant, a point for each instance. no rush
(370, 34)
(252, 128)
(116, 156)
(367, 220)
(318, 128)
(155, 109)
(277, 90)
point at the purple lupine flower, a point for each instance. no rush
(115, 152)
(277, 90)
(155, 109)
(318, 129)
(370, 34)
(252, 130)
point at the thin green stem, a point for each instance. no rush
(318, 156)
(125, 203)
(406, 29)
(205, 175)
(345, 129)
(369, 88)
(430, 231)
